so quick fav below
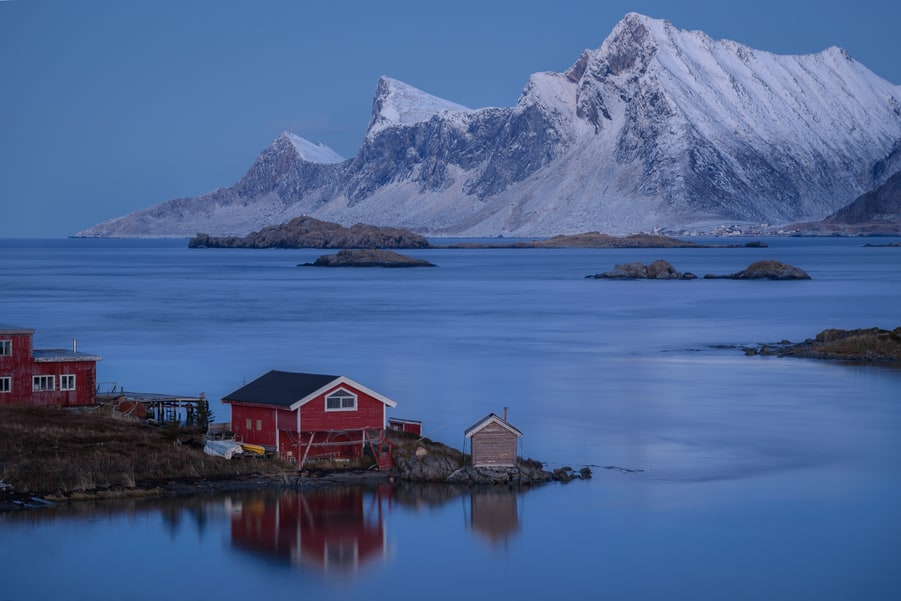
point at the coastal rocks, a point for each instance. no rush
(307, 232)
(432, 462)
(367, 258)
(427, 467)
(869, 344)
(663, 270)
(765, 270)
(658, 270)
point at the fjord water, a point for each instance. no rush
(736, 477)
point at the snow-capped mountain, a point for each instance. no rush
(657, 128)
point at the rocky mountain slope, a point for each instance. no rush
(657, 128)
(875, 213)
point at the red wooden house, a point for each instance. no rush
(42, 377)
(305, 416)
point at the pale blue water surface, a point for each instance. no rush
(760, 477)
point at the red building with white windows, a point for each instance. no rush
(43, 377)
(305, 416)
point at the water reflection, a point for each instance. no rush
(331, 529)
(494, 515)
(337, 529)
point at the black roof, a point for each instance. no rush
(281, 388)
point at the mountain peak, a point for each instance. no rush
(659, 127)
(312, 152)
(398, 103)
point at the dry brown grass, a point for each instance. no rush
(94, 451)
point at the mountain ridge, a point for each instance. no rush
(658, 128)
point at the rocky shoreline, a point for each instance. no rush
(93, 454)
(870, 345)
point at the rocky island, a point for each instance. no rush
(658, 270)
(663, 270)
(308, 232)
(367, 258)
(869, 345)
(765, 270)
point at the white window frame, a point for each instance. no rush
(6, 348)
(67, 382)
(40, 383)
(6, 384)
(344, 395)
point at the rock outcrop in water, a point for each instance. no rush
(368, 258)
(658, 270)
(423, 460)
(308, 232)
(765, 270)
(663, 270)
(870, 344)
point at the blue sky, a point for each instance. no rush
(107, 107)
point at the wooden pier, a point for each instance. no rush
(158, 406)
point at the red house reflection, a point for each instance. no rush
(331, 529)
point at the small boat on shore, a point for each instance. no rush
(253, 448)
(223, 448)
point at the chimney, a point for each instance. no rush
(505, 414)
(74, 345)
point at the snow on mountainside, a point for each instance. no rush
(657, 128)
(314, 153)
(397, 103)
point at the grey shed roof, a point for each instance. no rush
(280, 388)
(489, 419)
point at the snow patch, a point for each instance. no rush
(397, 103)
(313, 152)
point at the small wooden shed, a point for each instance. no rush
(405, 425)
(493, 442)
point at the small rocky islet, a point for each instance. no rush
(869, 345)
(367, 258)
(309, 232)
(663, 270)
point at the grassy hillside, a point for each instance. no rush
(98, 452)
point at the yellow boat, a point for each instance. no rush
(253, 448)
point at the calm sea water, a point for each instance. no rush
(753, 477)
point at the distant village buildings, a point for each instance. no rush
(44, 377)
